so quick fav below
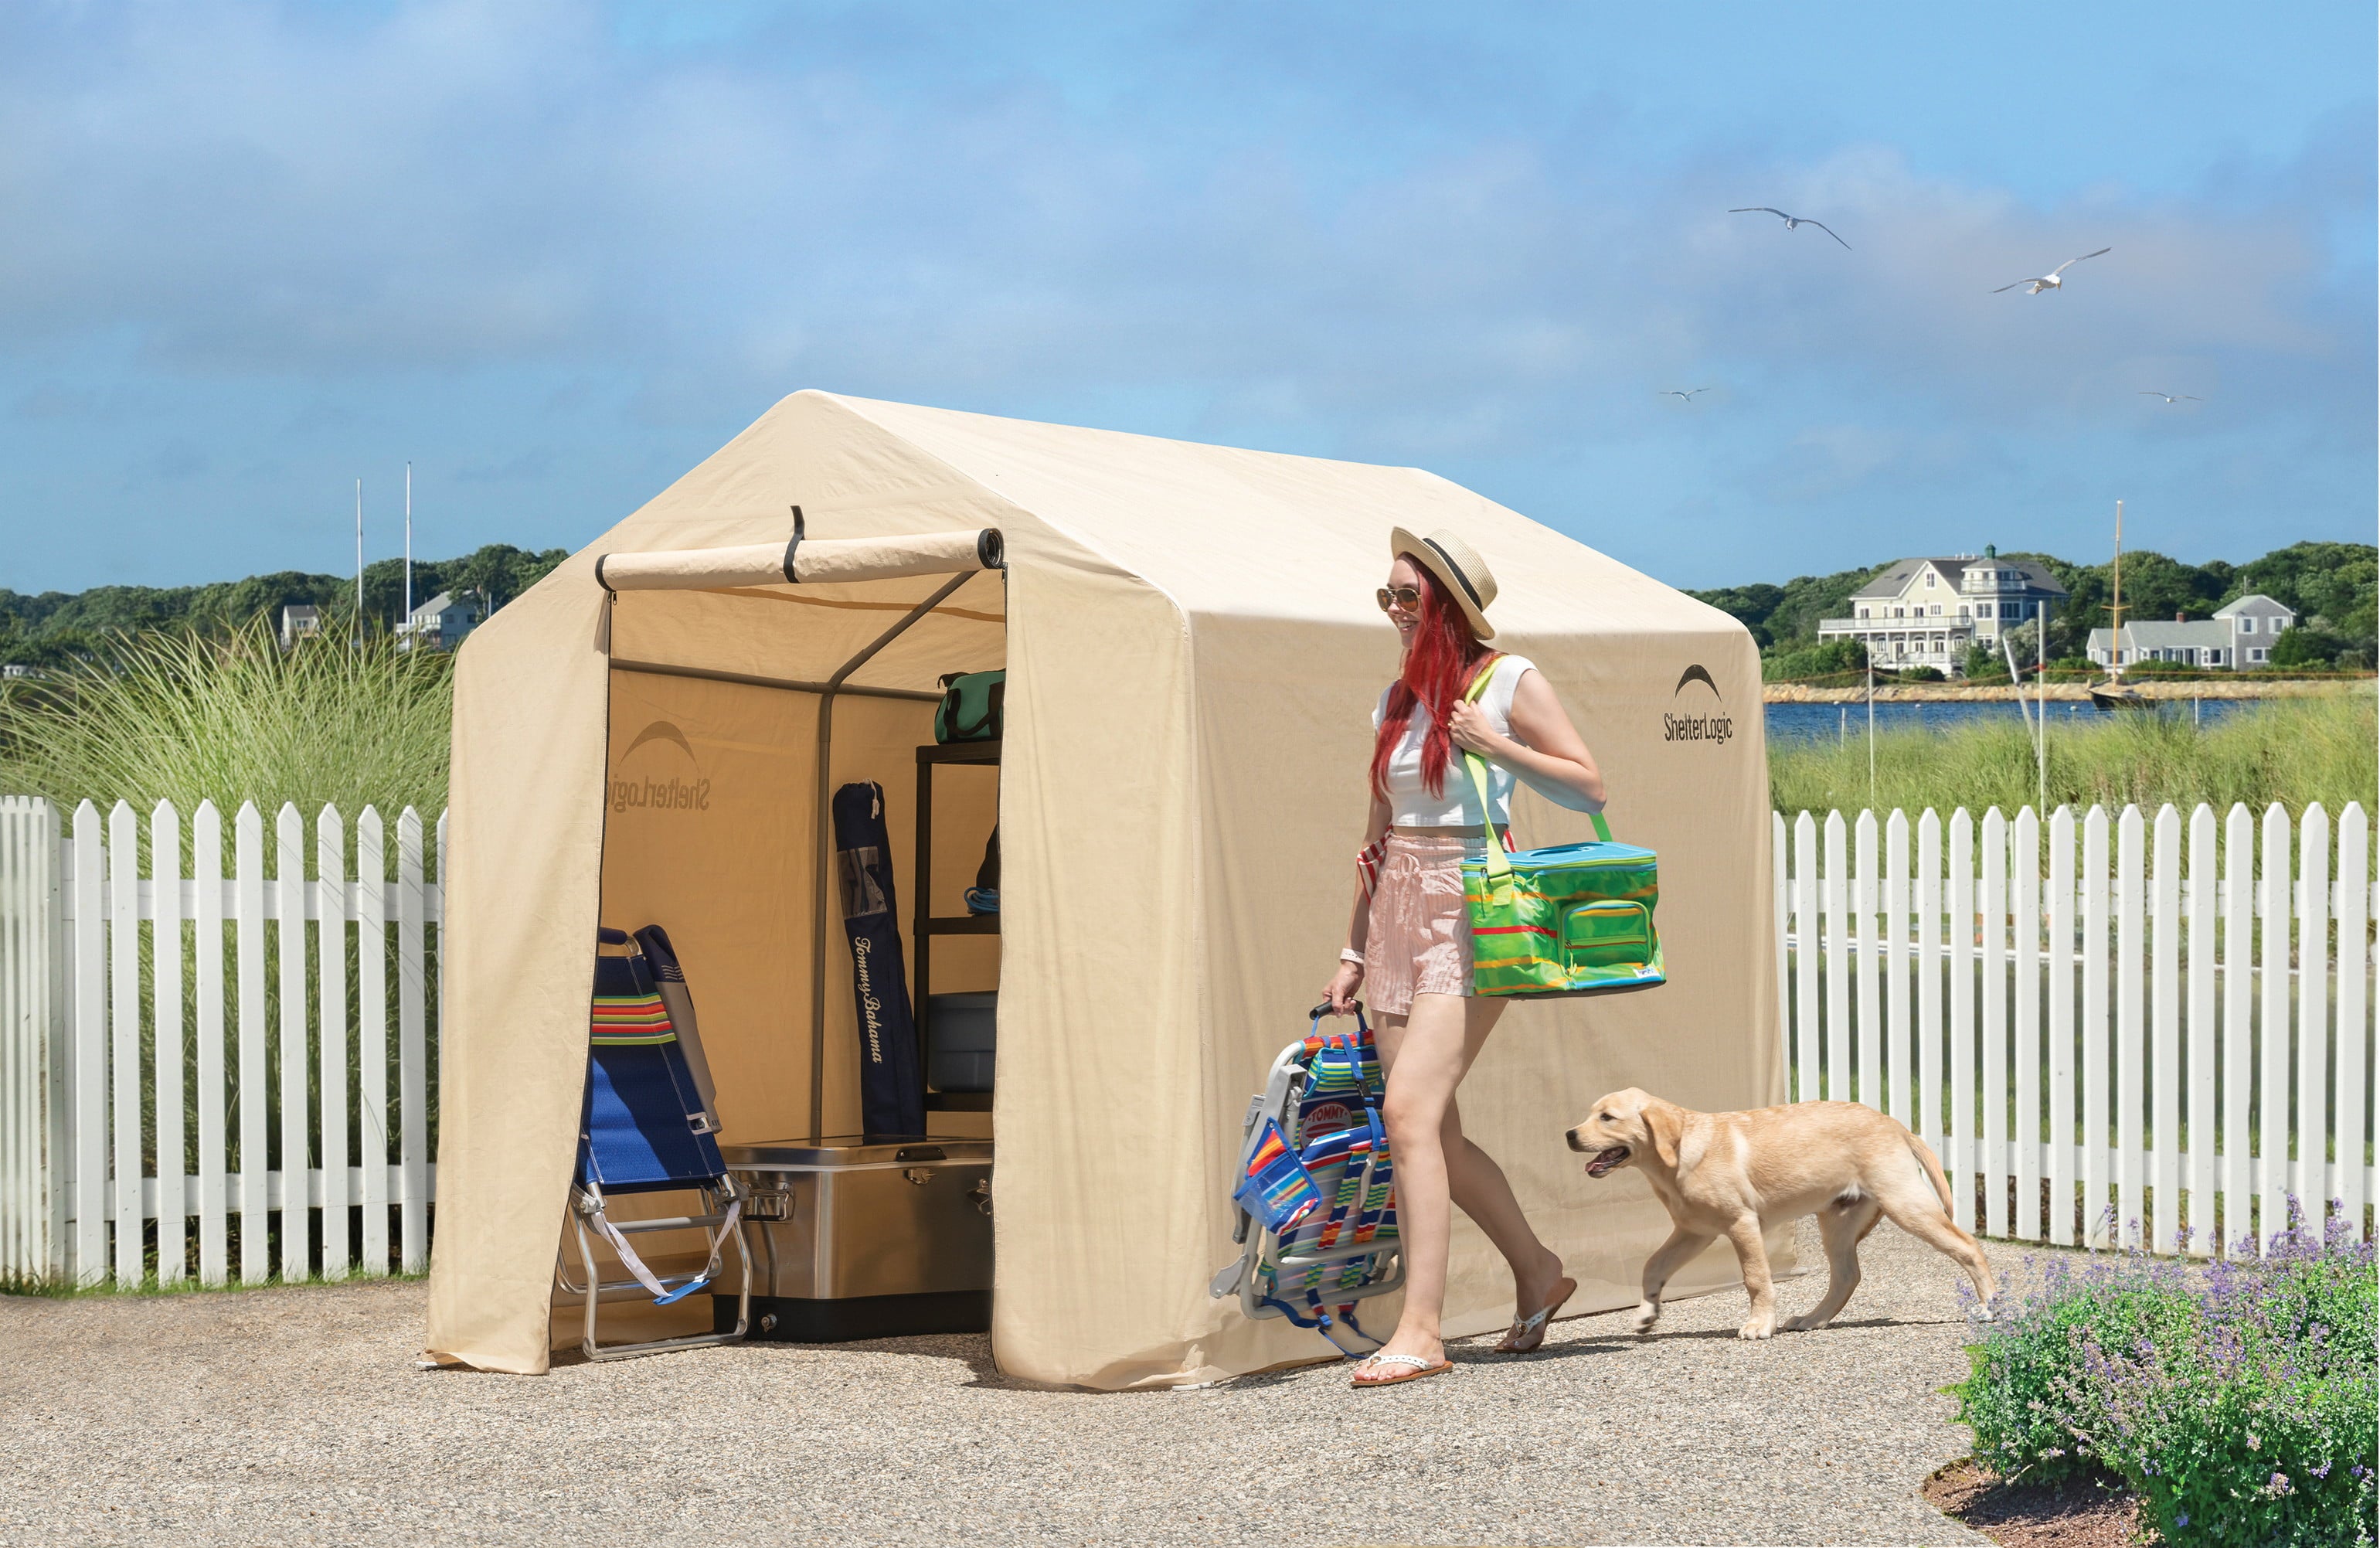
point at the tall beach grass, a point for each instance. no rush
(2291, 751)
(187, 717)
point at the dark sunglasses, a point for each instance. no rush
(1406, 597)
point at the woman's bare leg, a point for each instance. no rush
(1426, 1054)
(1480, 1190)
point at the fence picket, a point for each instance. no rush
(1929, 982)
(1964, 1156)
(295, 1066)
(88, 1077)
(2238, 1020)
(372, 1040)
(2098, 1106)
(1895, 968)
(206, 869)
(248, 908)
(2354, 1068)
(2131, 1024)
(2200, 1132)
(1805, 935)
(331, 975)
(124, 1034)
(2165, 1036)
(1994, 1040)
(165, 978)
(2312, 1126)
(2272, 1033)
(2024, 923)
(412, 1077)
(1836, 889)
(1781, 906)
(1866, 962)
(2061, 1028)
(16, 1026)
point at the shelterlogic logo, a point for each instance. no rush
(1713, 728)
(658, 782)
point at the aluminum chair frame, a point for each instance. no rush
(587, 1201)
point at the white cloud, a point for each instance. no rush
(251, 192)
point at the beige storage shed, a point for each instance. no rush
(1193, 652)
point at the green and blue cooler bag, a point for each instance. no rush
(1576, 918)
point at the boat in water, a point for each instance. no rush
(2115, 693)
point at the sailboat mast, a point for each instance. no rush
(2116, 608)
(408, 544)
(359, 563)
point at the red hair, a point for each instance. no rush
(1440, 665)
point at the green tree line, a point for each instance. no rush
(56, 627)
(2332, 587)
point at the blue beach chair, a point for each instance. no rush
(647, 1127)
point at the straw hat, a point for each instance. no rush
(1464, 574)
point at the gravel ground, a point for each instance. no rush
(295, 1416)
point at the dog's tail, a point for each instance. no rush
(1925, 1158)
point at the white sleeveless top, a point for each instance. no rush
(1410, 803)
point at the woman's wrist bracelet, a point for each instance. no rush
(1348, 954)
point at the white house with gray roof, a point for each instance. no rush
(2240, 636)
(1929, 612)
(441, 623)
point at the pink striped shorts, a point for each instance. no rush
(1420, 934)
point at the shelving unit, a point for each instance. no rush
(924, 925)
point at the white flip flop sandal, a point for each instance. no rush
(1527, 1332)
(1419, 1368)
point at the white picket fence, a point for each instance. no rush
(2076, 1026)
(2180, 1033)
(140, 1024)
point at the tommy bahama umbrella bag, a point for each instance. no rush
(1576, 918)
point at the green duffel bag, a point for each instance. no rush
(970, 710)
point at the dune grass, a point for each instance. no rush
(187, 717)
(2291, 751)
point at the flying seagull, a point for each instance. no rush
(1791, 221)
(2050, 280)
(1685, 396)
(2172, 397)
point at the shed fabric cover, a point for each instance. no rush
(1194, 652)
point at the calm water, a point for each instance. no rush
(1806, 723)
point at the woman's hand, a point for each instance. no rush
(1472, 730)
(1342, 987)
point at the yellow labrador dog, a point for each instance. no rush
(1731, 1174)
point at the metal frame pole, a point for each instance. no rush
(823, 838)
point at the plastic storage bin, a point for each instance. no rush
(961, 1032)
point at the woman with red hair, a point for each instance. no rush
(1409, 942)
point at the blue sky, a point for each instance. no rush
(556, 253)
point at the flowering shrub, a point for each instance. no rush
(2237, 1397)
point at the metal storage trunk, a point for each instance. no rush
(857, 1238)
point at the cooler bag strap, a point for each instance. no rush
(1499, 864)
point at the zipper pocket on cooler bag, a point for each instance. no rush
(1609, 934)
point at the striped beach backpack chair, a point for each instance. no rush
(1315, 1190)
